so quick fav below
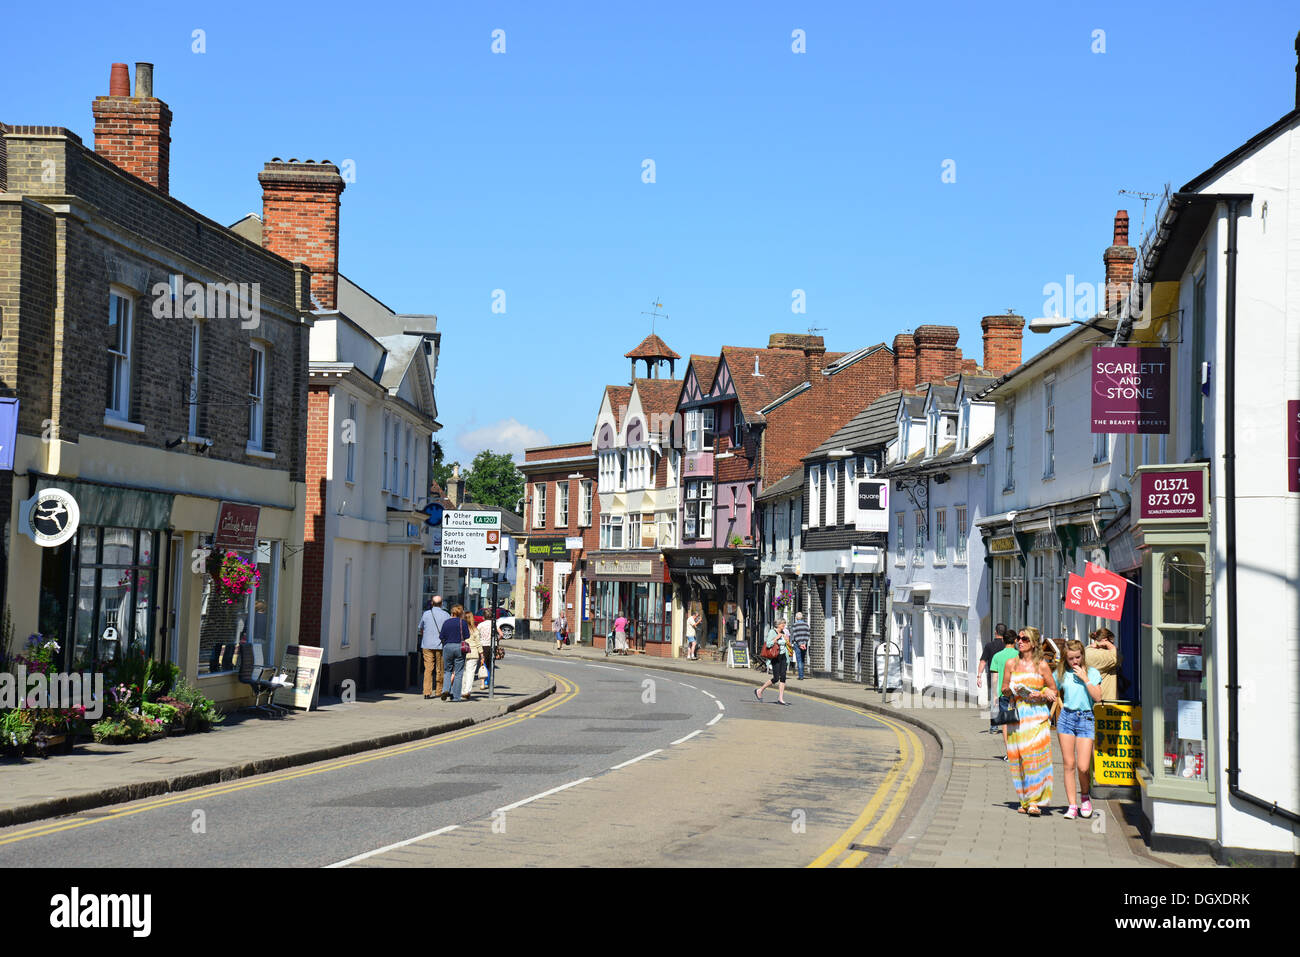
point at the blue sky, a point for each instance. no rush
(774, 171)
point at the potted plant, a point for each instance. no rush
(238, 576)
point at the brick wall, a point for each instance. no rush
(1002, 342)
(314, 586)
(937, 354)
(134, 134)
(300, 220)
(70, 282)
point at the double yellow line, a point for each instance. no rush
(566, 690)
(901, 778)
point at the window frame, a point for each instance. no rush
(1049, 426)
(561, 504)
(963, 532)
(918, 536)
(539, 505)
(941, 536)
(117, 400)
(1009, 447)
(257, 400)
(814, 496)
(196, 375)
(351, 455)
(586, 498)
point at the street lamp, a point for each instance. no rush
(1052, 323)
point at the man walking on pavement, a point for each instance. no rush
(431, 623)
(801, 635)
(985, 671)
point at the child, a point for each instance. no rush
(1080, 690)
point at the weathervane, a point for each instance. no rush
(655, 314)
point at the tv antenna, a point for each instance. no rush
(655, 314)
(813, 330)
(1146, 198)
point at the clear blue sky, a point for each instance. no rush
(775, 171)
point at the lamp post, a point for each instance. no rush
(1052, 323)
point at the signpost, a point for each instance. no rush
(1172, 494)
(471, 539)
(737, 655)
(873, 506)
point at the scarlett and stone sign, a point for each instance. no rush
(1130, 390)
(1172, 494)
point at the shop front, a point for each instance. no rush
(1179, 758)
(637, 588)
(718, 584)
(845, 586)
(111, 570)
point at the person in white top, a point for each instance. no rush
(485, 657)
(692, 622)
(431, 623)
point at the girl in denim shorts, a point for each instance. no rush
(1080, 690)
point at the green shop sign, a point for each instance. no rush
(547, 549)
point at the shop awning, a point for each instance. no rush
(114, 505)
(706, 584)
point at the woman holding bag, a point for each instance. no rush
(1029, 740)
(774, 652)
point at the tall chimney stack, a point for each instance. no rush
(300, 220)
(1119, 258)
(1003, 338)
(904, 361)
(134, 132)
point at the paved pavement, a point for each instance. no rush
(969, 818)
(99, 774)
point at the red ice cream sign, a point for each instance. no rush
(1098, 592)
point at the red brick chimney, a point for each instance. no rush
(134, 132)
(1119, 259)
(1002, 341)
(300, 220)
(904, 361)
(937, 354)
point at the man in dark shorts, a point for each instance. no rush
(985, 673)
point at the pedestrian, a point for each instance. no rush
(431, 643)
(1051, 655)
(1103, 655)
(485, 651)
(801, 635)
(561, 631)
(984, 672)
(1080, 690)
(475, 654)
(996, 664)
(454, 632)
(775, 636)
(620, 634)
(692, 622)
(1029, 747)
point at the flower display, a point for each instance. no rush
(239, 576)
(784, 600)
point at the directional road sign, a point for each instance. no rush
(471, 539)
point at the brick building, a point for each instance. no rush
(561, 509)
(160, 363)
(371, 414)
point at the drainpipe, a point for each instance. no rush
(1230, 514)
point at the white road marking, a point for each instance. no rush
(689, 736)
(391, 847)
(635, 760)
(721, 706)
(538, 797)
(685, 685)
(713, 696)
(715, 720)
(606, 667)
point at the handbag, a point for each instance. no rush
(770, 651)
(1006, 713)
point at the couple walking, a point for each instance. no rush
(447, 641)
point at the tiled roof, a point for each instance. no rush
(791, 483)
(874, 425)
(705, 368)
(780, 370)
(944, 457)
(619, 396)
(658, 395)
(652, 347)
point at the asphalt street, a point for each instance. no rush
(624, 766)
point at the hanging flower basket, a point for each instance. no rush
(784, 600)
(239, 576)
(543, 593)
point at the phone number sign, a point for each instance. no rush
(1174, 494)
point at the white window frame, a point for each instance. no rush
(1100, 448)
(941, 536)
(615, 531)
(347, 602)
(814, 496)
(351, 475)
(397, 453)
(918, 535)
(406, 466)
(257, 398)
(900, 524)
(1049, 427)
(932, 433)
(1009, 482)
(668, 529)
(706, 509)
(963, 426)
(691, 509)
(963, 530)
(383, 465)
(586, 496)
(708, 429)
(121, 312)
(539, 505)
(196, 366)
(693, 430)
(832, 494)
(634, 530)
(561, 504)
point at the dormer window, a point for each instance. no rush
(932, 433)
(963, 439)
(902, 440)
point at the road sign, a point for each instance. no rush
(471, 539)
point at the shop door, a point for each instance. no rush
(174, 601)
(828, 624)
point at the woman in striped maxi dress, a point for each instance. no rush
(1029, 680)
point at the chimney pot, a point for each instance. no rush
(119, 80)
(144, 79)
(1121, 228)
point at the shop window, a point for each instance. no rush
(228, 621)
(115, 594)
(1184, 666)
